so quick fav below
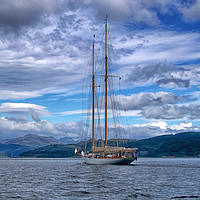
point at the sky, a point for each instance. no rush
(45, 48)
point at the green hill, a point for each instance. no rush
(51, 151)
(179, 145)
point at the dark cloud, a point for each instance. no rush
(40, 59)
(169, 112)
(141, 100)
(136, 11)
(176, 82)
(125, 51)
(19, 78)
(34, 115)
(21, 12)
(17, 119)
(163, 75)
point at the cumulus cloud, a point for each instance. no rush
(157, 128)
(160, 105)
(151, 129)
(20, 126)
(141, 100)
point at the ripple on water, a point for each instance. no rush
(168, 178)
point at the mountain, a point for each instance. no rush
(67, 140)
(14, 147)
(31, 140)
(179, 145)
(2, 155)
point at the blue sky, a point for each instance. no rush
(45, 48)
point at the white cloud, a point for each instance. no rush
(158, 128)
(9, 94)
(157, 46)
(23, 109)
(159, 124)
(17, 126)
(181, 126)
(73, 112)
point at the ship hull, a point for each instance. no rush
(108, 161)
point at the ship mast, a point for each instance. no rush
(93, 91)
(106, 81)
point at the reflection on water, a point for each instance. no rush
(148, 178)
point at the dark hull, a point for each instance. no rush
(108, 161)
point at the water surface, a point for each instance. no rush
(147, 178)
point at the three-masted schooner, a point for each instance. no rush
(106, 154)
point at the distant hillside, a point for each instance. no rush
(2, 155)
(179, 145)
(67, 140)
(31, 140)
(14, 147)
(51, 151)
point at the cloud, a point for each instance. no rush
(72, 129)
(74, 112)
(11, 94)
(163, 75)
(156, 46)
(43, 58)
(191, 13)
(16, 13)
(169, 112)
(34, 115)
(160, 105)
(141, 100)
(51, 54)
(19, 126)
(157, 128)
(16, 127)
(151, 129)
(136, 11)
(24, 109)
(172, 83)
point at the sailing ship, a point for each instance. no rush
(112, 155)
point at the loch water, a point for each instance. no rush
(70, 178)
